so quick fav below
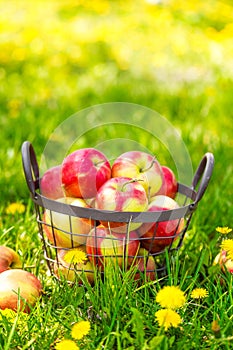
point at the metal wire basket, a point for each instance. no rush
(190, 196)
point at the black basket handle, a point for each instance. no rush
(30, 167)
(203, 173)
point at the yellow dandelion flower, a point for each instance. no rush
(66, 344)
(227, 245)
(224, 230)
(80, 329)
(75, 256)
(168, 318)
(199, 293)
(9, 314)
(171, 297)
(14, 208)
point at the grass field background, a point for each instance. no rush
(174, 57)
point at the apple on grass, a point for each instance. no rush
(105, 246)
(58, 226)
(121, 194)
(9, 259)
(50, 183)
(224, 261)
(146, 266)
(156, 236)
(72, 263)
(169, 186)
(19, 289)
(141, 166)
(83, 172)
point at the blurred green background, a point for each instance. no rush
(173, 56)
(59, 57)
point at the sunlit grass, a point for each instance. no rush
(175, 57)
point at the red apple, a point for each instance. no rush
(169, 186)
(19, 289)
(121, 194)
(146, 266)
(59, 234)
(71, 263)
(84, 171)
(141, 166)
(50, 183)
(156, 236)
(104, 245)
(224, 261)
(9, 259)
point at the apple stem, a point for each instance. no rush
(149, 193)
(100, 162)
(150, 166)
(129, 182)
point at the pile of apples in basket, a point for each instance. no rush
(135, 182)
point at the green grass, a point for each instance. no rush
(58, 58)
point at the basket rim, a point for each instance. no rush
(118, 216)
(201, 180)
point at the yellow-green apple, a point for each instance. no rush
(84, 171)
(146, 266)
(141, 166)
(224, 261)
(121, 194)
(90, 202)
(50, 183)
(9, 259)
(72, 263)
(64, 231)
(169, 186)
(156, 236)
(19, 289)
(104, 245)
